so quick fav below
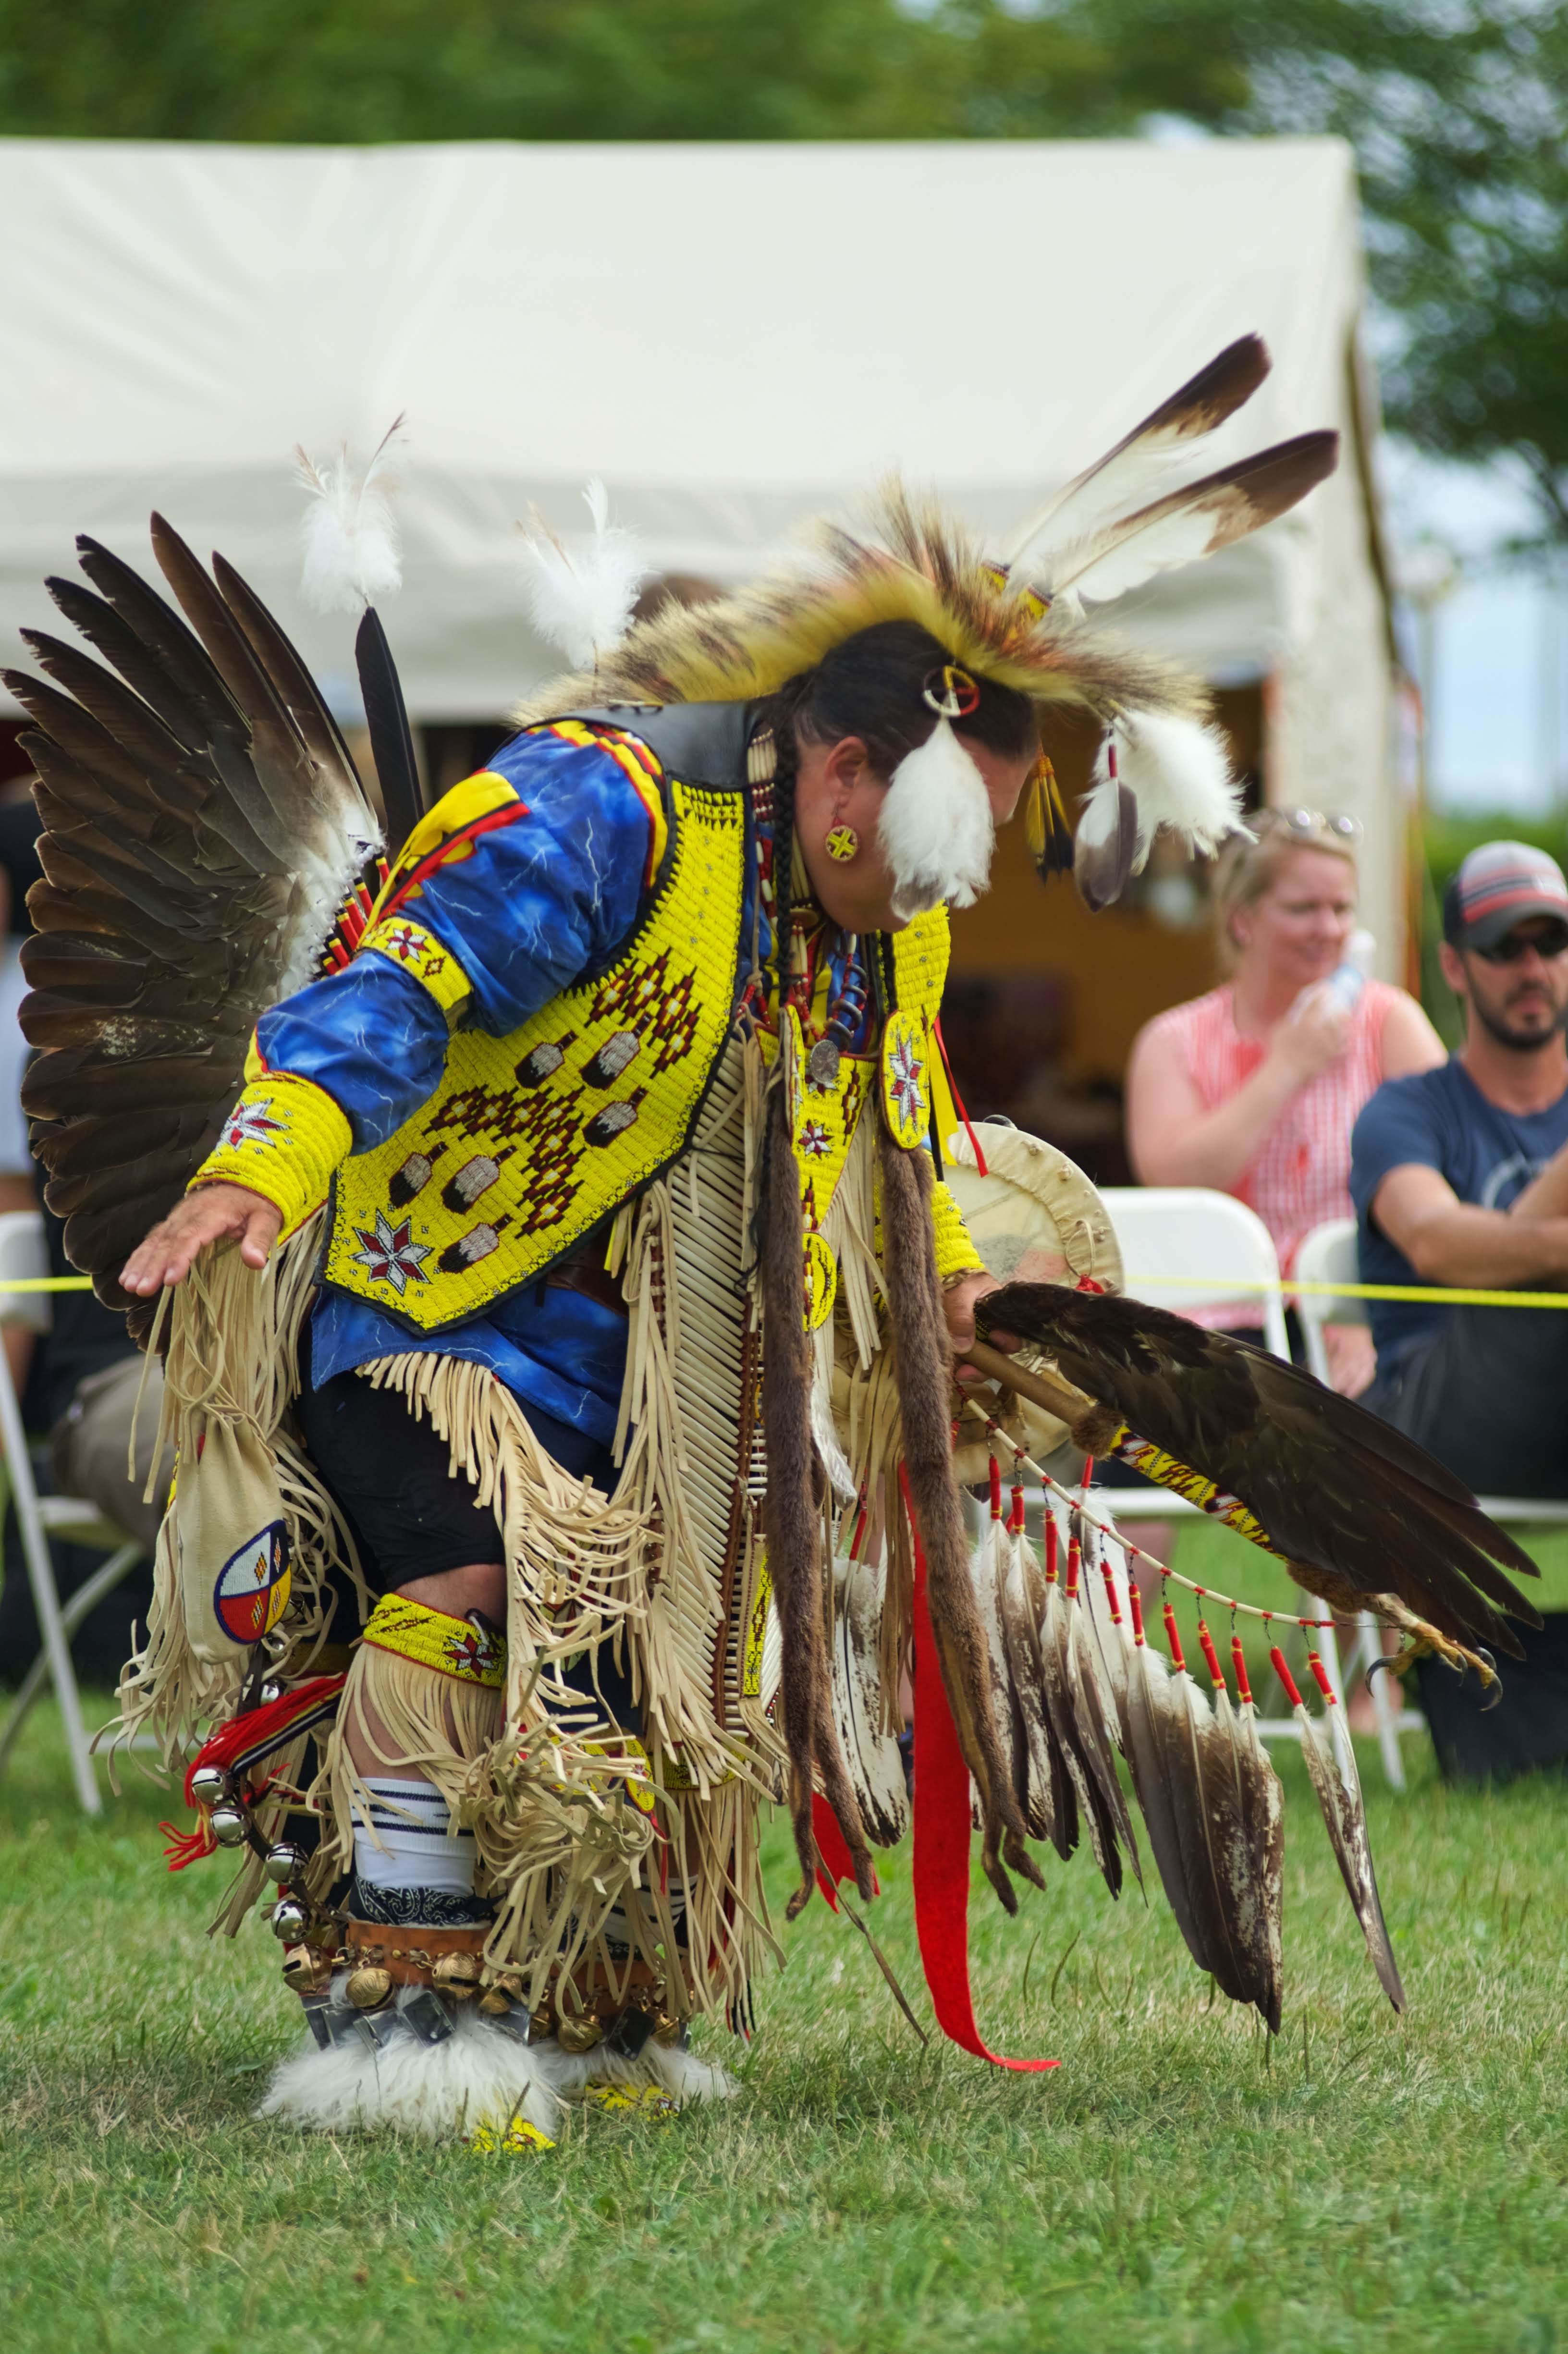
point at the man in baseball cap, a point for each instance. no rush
(1459, 1177)
(1499, 888)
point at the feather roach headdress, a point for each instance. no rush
(1019, 620)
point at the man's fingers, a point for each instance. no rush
(171, 1250)
(260, 1233)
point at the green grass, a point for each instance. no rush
(1364, 2182)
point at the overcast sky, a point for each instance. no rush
(1499, 692)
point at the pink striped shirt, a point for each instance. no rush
(1301, 1176)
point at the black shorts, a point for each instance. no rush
(389, 1473)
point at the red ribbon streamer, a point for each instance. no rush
(835, 1863)
(942, 1842)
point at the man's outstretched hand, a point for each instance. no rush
(959, 1300)
(213, 1214)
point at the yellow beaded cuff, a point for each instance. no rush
(283, 1139)
(453, 1647)
(955, 1255)
(417, 952)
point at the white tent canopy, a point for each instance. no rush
(732, 337)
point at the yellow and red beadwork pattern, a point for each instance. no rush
(451, 1647)
(531, 1140)
(905, 1072)
(420, 954)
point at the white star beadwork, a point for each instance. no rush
(390, 1254)
(904, 1069)
(814, 1140)
(252, 1123)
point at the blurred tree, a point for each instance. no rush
(389, 70)
(1458, 110)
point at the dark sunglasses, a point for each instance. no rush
(1512, 944)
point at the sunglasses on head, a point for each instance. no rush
(1306, 823)
(1551, 942)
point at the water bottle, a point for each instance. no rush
(1346, 982)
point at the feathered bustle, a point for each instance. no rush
(936, 827)
(581, 600)
(351, 553)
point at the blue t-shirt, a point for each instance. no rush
(1439, 1119)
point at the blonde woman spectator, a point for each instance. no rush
(1253, 1089)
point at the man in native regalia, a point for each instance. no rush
(560, 1325)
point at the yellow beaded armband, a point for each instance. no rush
(453, 1647)
(419, 952)
(283, 1139)
(955, 1255)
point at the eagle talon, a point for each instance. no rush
(1422, 1641)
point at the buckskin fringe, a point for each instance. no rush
(233, 1355)
(562, 1842)
(436, 1726)
(919, 1329)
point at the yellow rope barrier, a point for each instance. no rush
(1289, 1288)
(1222, 1284)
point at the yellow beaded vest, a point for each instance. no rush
(532, 1142)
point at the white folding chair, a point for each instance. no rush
(1329, 1255)
(1187, 1247)
(24, 1256)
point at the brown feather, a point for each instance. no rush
(1033, 1771)
(1102, 870)
(1332, 1769)
(1254, 1862)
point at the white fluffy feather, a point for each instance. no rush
(479, 2075)
(438, 2091)
(1179, 772)
(936, 827)
(351, 554)
(581, 600)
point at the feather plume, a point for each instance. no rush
(1137, 469)
(1176, 773)
(1186, 524)
(582, 600)
(936, 827)
(351, 553)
